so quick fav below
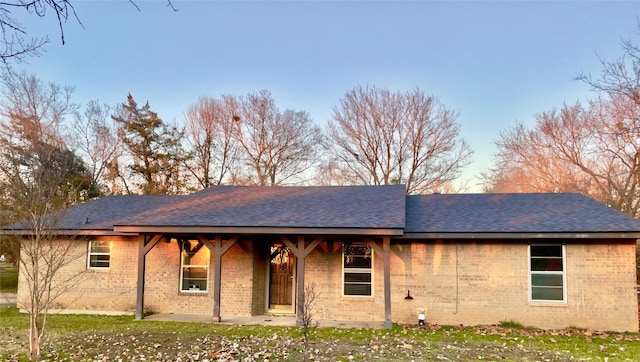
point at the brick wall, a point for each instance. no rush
(324, 270)
(237, 280)
(452, 282)
(485, 283)
(97, 290)
(162, 288)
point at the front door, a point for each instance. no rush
(281, 279)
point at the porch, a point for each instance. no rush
(264, 276)
(268, 320)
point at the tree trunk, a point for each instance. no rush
(34, 337)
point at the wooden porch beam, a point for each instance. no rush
(300, 251)
(218, 249)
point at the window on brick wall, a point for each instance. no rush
(357, 266)
(194, 266)
(547, 273)
(99, 256)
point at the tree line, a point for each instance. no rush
(376, 137)
(592, 147)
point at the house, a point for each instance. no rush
(371, 253)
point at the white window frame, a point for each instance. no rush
(563, 273)
(183, 266)
(357, 270)
(91, 252)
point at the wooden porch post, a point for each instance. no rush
(386, 257)
(300, 251)
(218, 250)
(385, 251)
(144, 247)
(300, 283)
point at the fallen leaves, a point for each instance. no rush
(409, 343)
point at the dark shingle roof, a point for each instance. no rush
(513, 213)
(353, 207)
(246, 206)
(256, 206)
(105, 212)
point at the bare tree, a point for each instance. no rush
(619, 78)
(525, 162)
(45, 257)
(31, 137)
(593, 150)
(380, 137)
(37, 190)
(33, 110)
(94, 136)
(278, 147)
(331, 172)
(38, 176)
(209, 126)
(308, 304)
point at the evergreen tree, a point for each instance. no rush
(154, 147)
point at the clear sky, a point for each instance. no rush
(495, 62)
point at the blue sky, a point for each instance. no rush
(494, 62)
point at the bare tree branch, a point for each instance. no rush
(575, 149)
(14, 44)
(278, 146)
(383, 137)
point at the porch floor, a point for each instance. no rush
(286, 320)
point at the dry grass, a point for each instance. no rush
(100, 338)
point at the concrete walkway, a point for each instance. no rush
(8, 299)
(286, 320)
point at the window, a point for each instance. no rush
(99, 255)
(357, 262)
(546, 267)
(194, 266)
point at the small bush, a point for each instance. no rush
(511, 324)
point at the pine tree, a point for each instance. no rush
(155, 149)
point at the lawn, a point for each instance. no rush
(8, 278)
(102, 338)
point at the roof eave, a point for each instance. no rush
(257, 230)
(66, 232)
(521, 235)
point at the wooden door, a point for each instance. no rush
(281, 280)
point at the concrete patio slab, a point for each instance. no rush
(285, 320)
(8, 299)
